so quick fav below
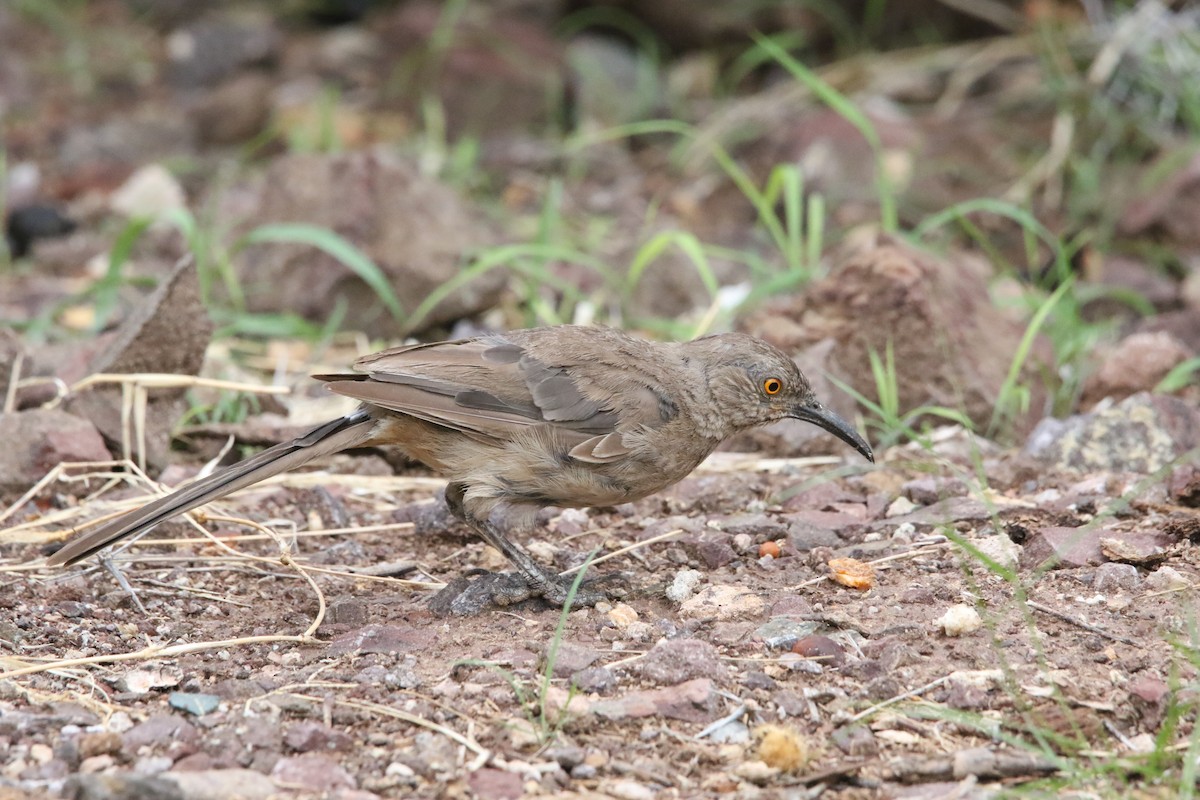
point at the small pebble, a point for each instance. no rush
(1114, 576)
(769, 548)
(899, 507)
(960, 619)
(684, 585)
(1165, 579)
(622, 616)
(821, 649)
(630, 790)
(194, 702)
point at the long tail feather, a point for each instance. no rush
(350, 431)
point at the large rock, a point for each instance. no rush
(1141, 434)
(1136, 364)
(499, 73)
(951, 346)
(415, 229)
(168, 333)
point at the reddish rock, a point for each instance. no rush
(693, 701)
(822, 649)
(1135, 365)
(312, 772)
(415, 229)
(168, 332)
(570, 658)
(498, 73)
(954, 345)
(677, 660)
(1168, 207)
(495, 784)
(712, 550)
(161, 733)
(35, 441)
(1058, 548)
(236, 110)
(1184, 485)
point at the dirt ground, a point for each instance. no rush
(385, 698)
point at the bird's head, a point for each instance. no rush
(755, 383)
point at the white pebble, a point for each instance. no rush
(684, 585)
(960, 619)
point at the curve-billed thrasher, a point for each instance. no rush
(560, 416)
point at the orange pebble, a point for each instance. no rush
(852, 572)
(769, 549)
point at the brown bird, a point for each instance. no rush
(566, 416)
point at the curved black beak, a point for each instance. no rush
(822, 417)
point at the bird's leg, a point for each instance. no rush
(530, 579)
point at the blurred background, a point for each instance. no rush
(969, 211)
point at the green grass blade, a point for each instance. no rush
(336, 246)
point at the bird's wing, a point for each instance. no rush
(492, 388)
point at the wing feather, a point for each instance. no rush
(494, 388)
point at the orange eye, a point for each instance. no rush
(772, 386)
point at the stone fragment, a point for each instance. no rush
(1166, 579)
(307, 736)
(674, 661)
(160, 729)
(820, 649)
(1139, 547)
(195, 703)
(693, 701)
(168, 332)
(1061, 548)
(933, 313)
(780, 633)
(928, 489)
(122, 786)
(855, 740)
(722, 602)
(629, 790)
(495, 784)
(235, 111)
(1184, 485)
(1116, 577)
(223, 784)
(684, 585)
(312, 772)
(149, 193)
(571, 657)
(207, 51)
(1001, 549)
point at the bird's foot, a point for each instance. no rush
(465, 596)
